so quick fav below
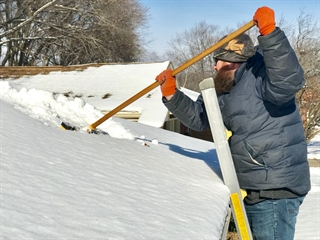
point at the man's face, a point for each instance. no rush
(224, 80)
(219, 64)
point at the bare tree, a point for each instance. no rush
(188, 44)
(306, 43)
(65, 32)
(152, 56)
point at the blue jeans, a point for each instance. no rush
(273, 219)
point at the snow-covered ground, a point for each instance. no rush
(314, 148)
(136, 182)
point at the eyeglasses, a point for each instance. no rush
(215, 60)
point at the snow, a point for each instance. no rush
(119, 81)
(135, 182)
(314, 148)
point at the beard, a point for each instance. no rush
(224, 80)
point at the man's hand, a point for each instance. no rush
(168, 82)
(265, 21)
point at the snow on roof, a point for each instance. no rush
(136, 182)
(192, 94)
(107, 86)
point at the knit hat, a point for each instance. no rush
(237, 50)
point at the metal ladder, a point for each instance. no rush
(225, 159)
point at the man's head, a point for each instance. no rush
(237, 50)
(228, 59)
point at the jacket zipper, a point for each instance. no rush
(260, 164)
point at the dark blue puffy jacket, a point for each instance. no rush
(268, 144)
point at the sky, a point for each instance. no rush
(132, 181)
(169, 17)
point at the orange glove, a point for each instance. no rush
(168, 82)
(265, 21)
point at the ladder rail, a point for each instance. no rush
(225, 158)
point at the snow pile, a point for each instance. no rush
(53, 109)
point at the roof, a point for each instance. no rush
(114, 83)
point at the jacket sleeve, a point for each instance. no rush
(191, 113)
(284, 75)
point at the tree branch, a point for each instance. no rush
(12, 30)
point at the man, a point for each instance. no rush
(256, 91)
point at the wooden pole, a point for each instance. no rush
(187, 64)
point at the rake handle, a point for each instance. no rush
(124, 104)
(187, 64)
